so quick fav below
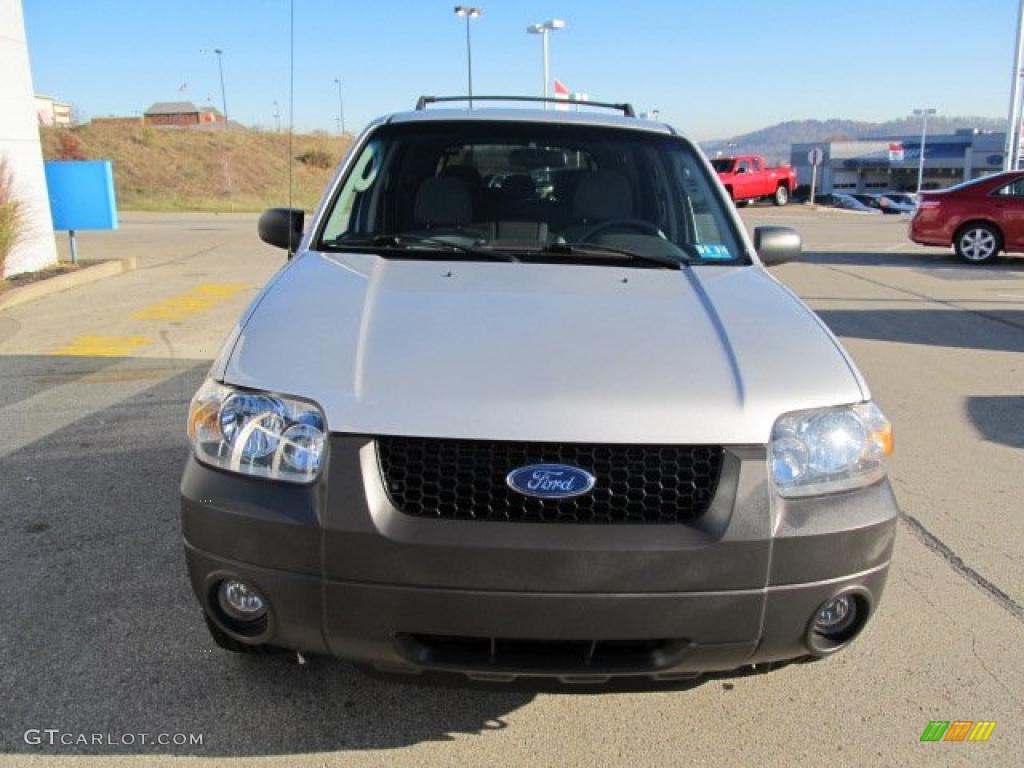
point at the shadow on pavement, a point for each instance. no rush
(101, 633)
(993, 329)
(940, 263)
(998, 418)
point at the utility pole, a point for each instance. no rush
(341, 109)
(223, 93)
(1013, 120)
(924, 137)
(277, 117)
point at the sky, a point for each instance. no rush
(714, 69)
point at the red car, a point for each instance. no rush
(978, 218)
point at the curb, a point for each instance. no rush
(32, 291)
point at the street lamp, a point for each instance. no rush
(341, 109)
(923, 114)
(542, 29)
(223, 93)
(469, 12)
(277, 117)
(1013, 119)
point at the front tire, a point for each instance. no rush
(781, 195)
(978, 243)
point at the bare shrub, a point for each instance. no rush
(12, 214)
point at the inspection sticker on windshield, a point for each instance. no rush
(714, 251)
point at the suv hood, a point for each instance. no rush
(545, 352)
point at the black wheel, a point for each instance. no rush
(228, 643)
(781, 195)
(978, 243)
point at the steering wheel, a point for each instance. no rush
(644, 227)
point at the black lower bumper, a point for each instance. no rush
(408, 629)
(346, 576)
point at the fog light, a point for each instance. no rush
(241, 601)
(835, 615)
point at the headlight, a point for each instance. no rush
(256, 433)
(829, 449)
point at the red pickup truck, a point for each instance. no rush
(748, 177)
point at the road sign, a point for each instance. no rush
(814, 157)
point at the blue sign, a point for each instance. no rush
(81, 194)
(550, 481)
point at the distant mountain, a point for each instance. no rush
(774, 142)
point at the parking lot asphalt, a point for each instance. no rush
(99, 632)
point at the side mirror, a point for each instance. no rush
(282, 227)
(777, 245)
(741, 169)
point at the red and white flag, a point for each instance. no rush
(561, 92)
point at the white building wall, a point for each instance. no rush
(19, 143)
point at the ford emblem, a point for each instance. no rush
(550, 481)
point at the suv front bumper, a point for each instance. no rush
(346, 574)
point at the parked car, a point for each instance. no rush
(749, 177)
(850, 203)
(979, 218)
(896, 202)
(871, 201)
(581, 434)
(905, 198)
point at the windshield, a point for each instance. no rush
(530, 188)
(722, 164)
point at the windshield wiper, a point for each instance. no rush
(610, 251)
(414, 242)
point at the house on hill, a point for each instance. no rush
(181, 113)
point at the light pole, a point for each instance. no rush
(469, 12)
(1013, 124)
(542, 29)
(277, 117)
(923, 113)
(223, 93)
(341, 108)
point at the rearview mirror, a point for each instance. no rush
(777, 245)
(282, 227)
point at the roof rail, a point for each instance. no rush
(625, 108)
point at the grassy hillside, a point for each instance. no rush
(160, 169)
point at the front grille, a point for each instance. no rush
(465, 480)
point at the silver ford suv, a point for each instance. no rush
(526, 402)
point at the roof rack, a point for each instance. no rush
(625, 108)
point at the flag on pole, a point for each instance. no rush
(561, 92)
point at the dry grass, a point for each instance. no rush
(12, 215)
(165, 169)
(24, 278)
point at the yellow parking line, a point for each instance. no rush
(102, 346)
(196, 300)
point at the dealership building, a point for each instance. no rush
(891, 162)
